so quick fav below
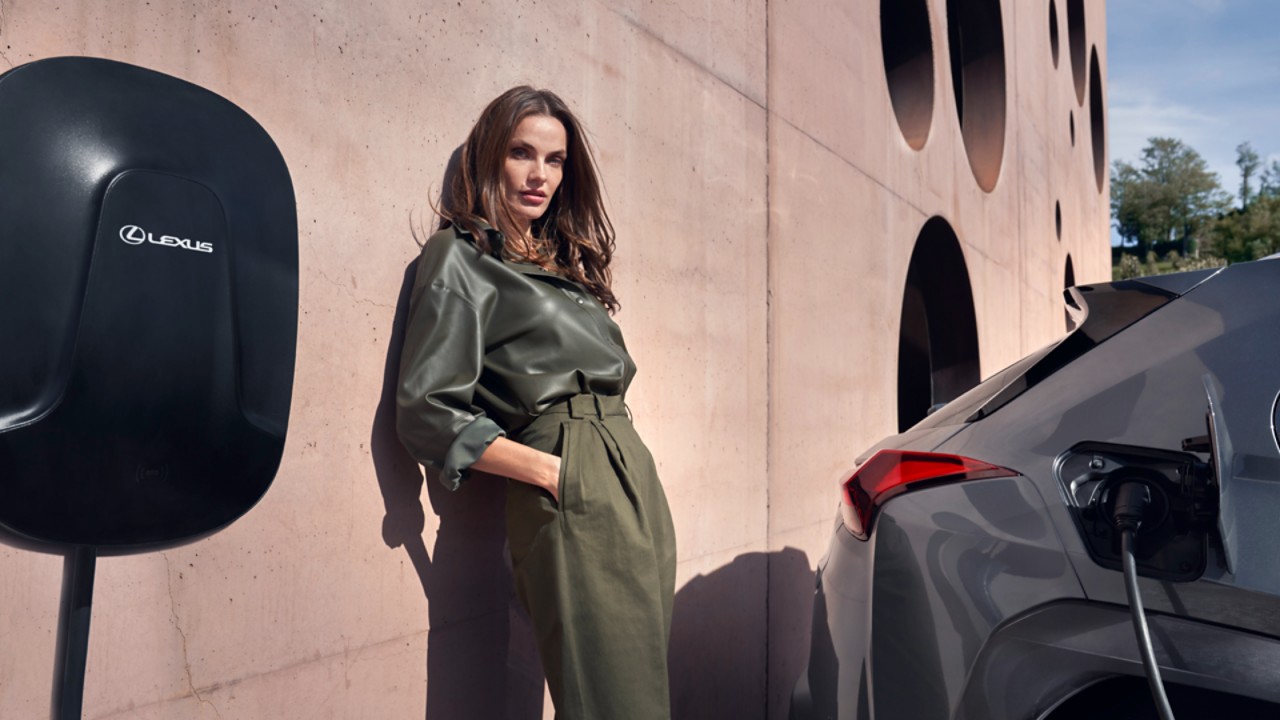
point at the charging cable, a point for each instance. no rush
(1132, 500)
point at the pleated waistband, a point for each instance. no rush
(588, 405)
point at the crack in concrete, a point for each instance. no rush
(346, 663)
(399, 642)
(353, 296)
(636, 23)
(186, 661)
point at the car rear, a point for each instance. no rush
(972, 574)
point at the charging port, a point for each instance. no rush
(1179, 507)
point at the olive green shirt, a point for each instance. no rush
(490, 344)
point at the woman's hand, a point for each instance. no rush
(509, 458)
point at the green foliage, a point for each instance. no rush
(1169, 196)
(1248, 161)
(1269, 181)
(1194, 263)
(1250, 232)
(1129, 268)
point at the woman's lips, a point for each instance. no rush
(532, 196)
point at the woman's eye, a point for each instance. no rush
(556, 161)
(519, 153)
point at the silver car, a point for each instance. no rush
(976, 567)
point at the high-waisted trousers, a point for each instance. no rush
(596, 571)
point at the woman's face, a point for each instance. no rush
(534, 167)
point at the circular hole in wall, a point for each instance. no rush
(938, 335)
(1057, 218)
(1097, 121)
(1053, 32)
(1069, 281)
(1076, 44)
(975, 33)
(1071, 122)
(908, 66)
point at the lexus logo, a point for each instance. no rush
(134, 235)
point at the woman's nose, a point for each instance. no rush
(538, 171)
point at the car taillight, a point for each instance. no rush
(893, 472)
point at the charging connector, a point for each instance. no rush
(1142, 509)
(1133, 499)
(1132, 503)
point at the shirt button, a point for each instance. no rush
(581, 301)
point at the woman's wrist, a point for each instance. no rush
(507, 458)
(551, 474)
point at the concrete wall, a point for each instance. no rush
(848, 197)
(767, 204)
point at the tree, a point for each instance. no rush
(1132, 200)
(1170, 196)
(1248, 233)
(1269, 181)
(1248, 162)
(1252, 230)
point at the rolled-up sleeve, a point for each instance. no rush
(439, 367)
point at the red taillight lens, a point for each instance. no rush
(893, 472)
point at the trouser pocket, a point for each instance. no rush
(562, 483)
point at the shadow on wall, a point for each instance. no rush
(719, 657)
(481, 657)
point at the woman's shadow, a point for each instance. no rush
(482, 661)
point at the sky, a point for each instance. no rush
(1204, 71)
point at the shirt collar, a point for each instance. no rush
(497, 241)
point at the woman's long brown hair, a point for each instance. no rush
(575, 225)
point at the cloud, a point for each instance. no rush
(1138, 114)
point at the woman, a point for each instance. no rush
(513, 367)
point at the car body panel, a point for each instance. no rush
(1062, 647)
(951, 565)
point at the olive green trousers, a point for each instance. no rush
(596, 571)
